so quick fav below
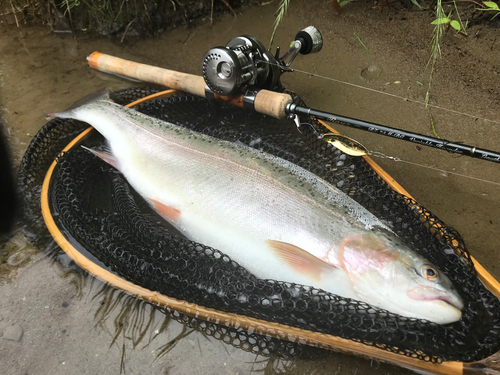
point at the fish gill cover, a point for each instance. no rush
(96, 206)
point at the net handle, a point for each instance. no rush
(266, 102)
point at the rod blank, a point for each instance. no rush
(442, 144)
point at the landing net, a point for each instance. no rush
(93, 204)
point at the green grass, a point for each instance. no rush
(280, 13)
(359, 40)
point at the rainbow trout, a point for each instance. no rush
(274, 218)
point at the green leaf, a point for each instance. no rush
(417, 4)
(359, 40)
(491, 5)
(440, 21)
(455, 25)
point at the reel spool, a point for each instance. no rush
(244, 63)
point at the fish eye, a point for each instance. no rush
(429, 272)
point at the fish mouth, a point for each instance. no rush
(454, 301)
(426, 293)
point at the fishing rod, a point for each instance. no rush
(442, 144)
(244, 73)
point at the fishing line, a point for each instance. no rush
(397, 159)
(392, 95)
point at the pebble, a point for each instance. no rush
(13, 333)
(370, 73)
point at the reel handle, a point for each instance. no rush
(266, 102)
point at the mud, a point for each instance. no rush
(73, 324)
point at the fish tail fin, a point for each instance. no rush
(102, 94)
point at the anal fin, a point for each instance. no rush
(168, 211)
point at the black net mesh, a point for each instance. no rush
(95, 205)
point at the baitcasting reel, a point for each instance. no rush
(244, 63)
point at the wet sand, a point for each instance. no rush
(61, 311)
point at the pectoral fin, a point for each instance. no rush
(299, 259)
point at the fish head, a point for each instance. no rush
(387, 274)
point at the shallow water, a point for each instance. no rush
(73, 324)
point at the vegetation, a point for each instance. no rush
(280, 13)
(439, 23)
(442, 20)
(115, 17)
(360, 40)
(491, 6)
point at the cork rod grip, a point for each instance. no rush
(175, 80)
(272, 103)
(266, 102)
